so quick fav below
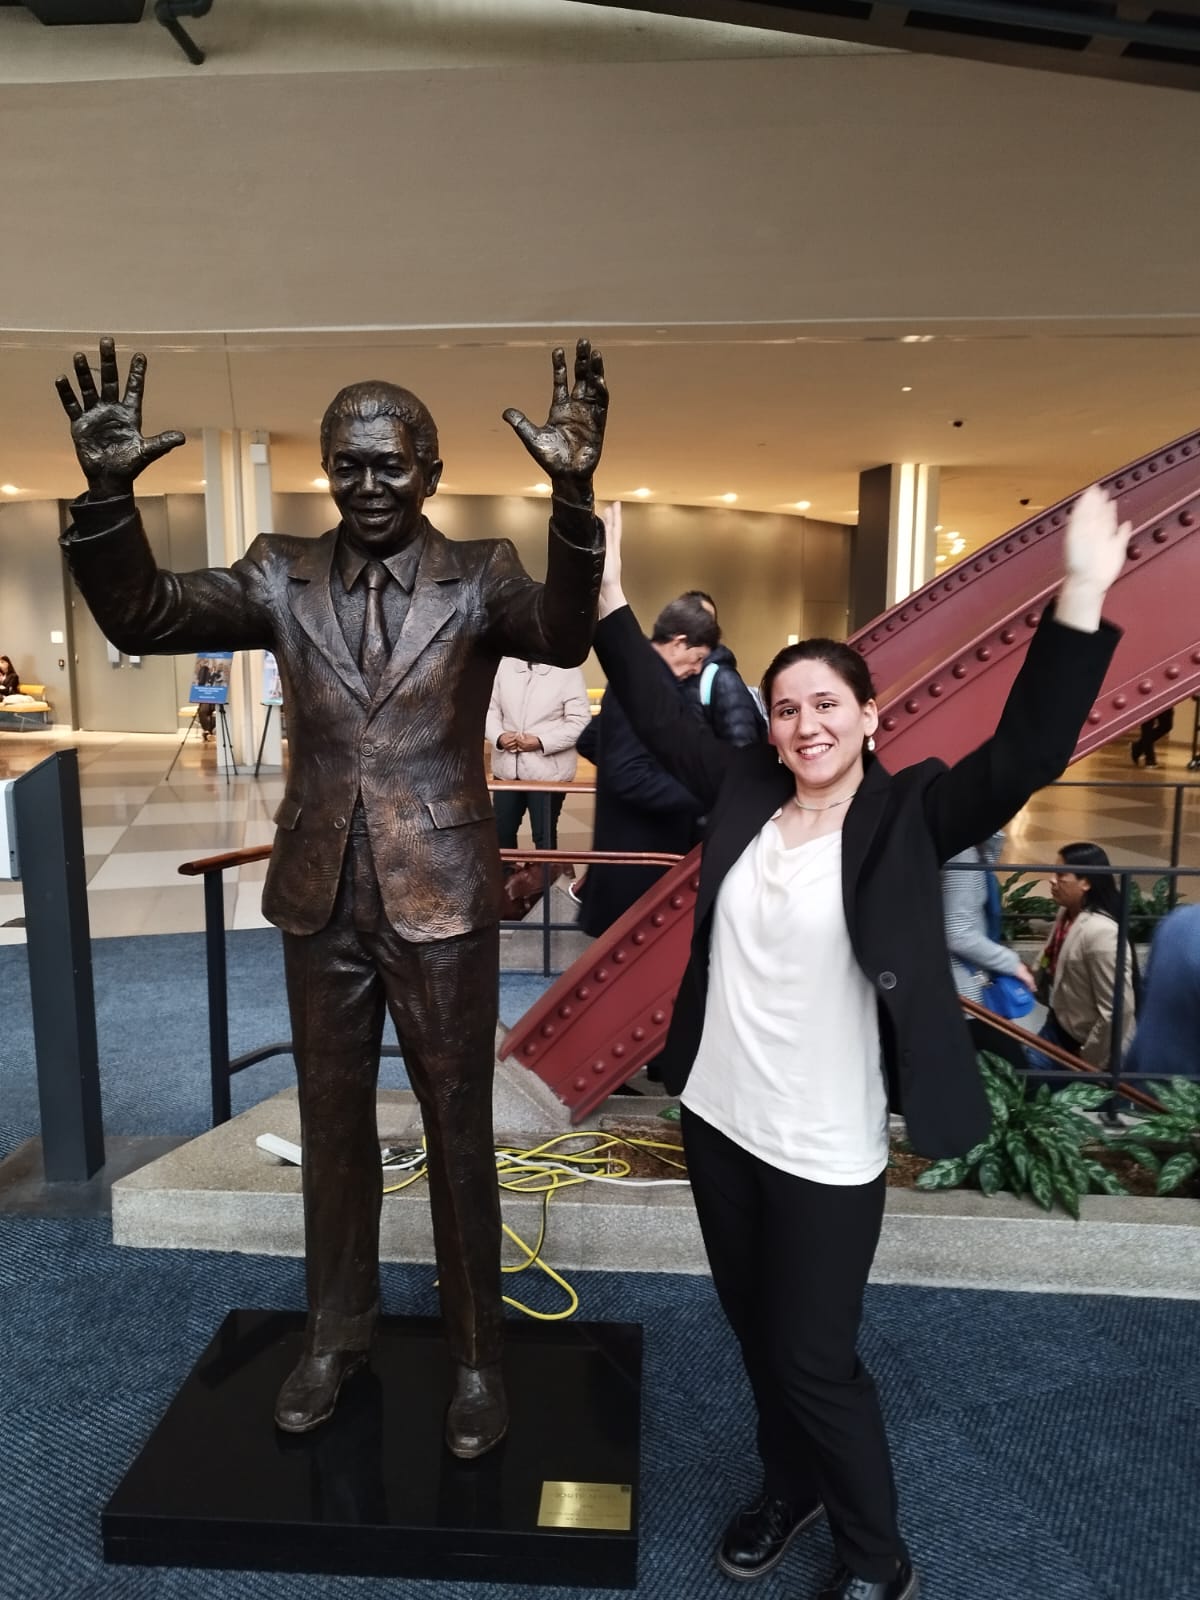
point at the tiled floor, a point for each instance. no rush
(139, 825)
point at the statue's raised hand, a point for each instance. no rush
(567, 447)
(107, 426)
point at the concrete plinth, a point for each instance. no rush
(220, 1193)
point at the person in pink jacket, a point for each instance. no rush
(537, 712)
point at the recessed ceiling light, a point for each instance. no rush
(906, 388)
(939, 558)
(641, 494)
(729, 498)
(539, 488)
(320, 483)
(937, 527)
(803, 505)
(9, 488)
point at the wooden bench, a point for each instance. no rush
(35, 706)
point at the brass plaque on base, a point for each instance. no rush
(586, 1505)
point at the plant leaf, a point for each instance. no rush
(1177, 1170)
(1103, 1179)
(1040, 1186)
(1080, 1097)
(1017, 1152)
(947, 1174)
(1067, 1193)
(991, 1174)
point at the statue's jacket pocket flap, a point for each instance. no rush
(454, 813)
(287, 814)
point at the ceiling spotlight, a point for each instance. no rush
(937, 527)
(539, 488)
(803, 505)
(906, 388)
(641, 494)
(939, 559)
(9, 488)
(320, 483)
(729, 499)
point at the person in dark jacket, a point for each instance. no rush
(10, 680)
(1167, 1040)
(819, 989)
(717, 693)
(638, 805)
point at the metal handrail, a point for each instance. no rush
(212, 868)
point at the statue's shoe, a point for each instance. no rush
(311, 1390)
(477, 1418)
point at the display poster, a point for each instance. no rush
(272, 689)
(210, 680)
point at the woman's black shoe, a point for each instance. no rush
(756, 1540)
(845, 1586)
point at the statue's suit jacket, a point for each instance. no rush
(414, 750)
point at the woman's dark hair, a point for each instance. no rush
(6, 662)
(840, 658)
(1102, 894)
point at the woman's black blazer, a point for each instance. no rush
(899, 829)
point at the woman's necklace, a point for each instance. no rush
(829, 807)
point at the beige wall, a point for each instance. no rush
(33, 598)
(770, 575)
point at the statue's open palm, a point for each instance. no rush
(106, 425)
(568, 444)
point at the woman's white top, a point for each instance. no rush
(789, 1065)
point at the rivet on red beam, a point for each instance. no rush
(958, 670)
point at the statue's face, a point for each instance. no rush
(376, 481)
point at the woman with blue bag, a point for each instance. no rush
(985, 969)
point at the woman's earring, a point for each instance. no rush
(871, 742)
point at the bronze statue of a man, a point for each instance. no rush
(384, 875)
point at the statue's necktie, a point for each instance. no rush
(374, 650)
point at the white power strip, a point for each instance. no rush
(283, 1148)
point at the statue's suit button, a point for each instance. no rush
(340, 822)
(368, 749)
(887, 980)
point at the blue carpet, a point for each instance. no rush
(152, 1028)
(1044, 1445)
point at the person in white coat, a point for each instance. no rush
(537, 712)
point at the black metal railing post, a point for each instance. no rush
(49, 826)
(218, 995)
(1176, 843)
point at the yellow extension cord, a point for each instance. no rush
(536, 1171)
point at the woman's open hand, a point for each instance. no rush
(612, 596)
(1094, 550)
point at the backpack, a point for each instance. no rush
(708, 678)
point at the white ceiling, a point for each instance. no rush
(751, 241)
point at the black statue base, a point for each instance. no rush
(374, 1490)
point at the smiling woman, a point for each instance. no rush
(809, 1003)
